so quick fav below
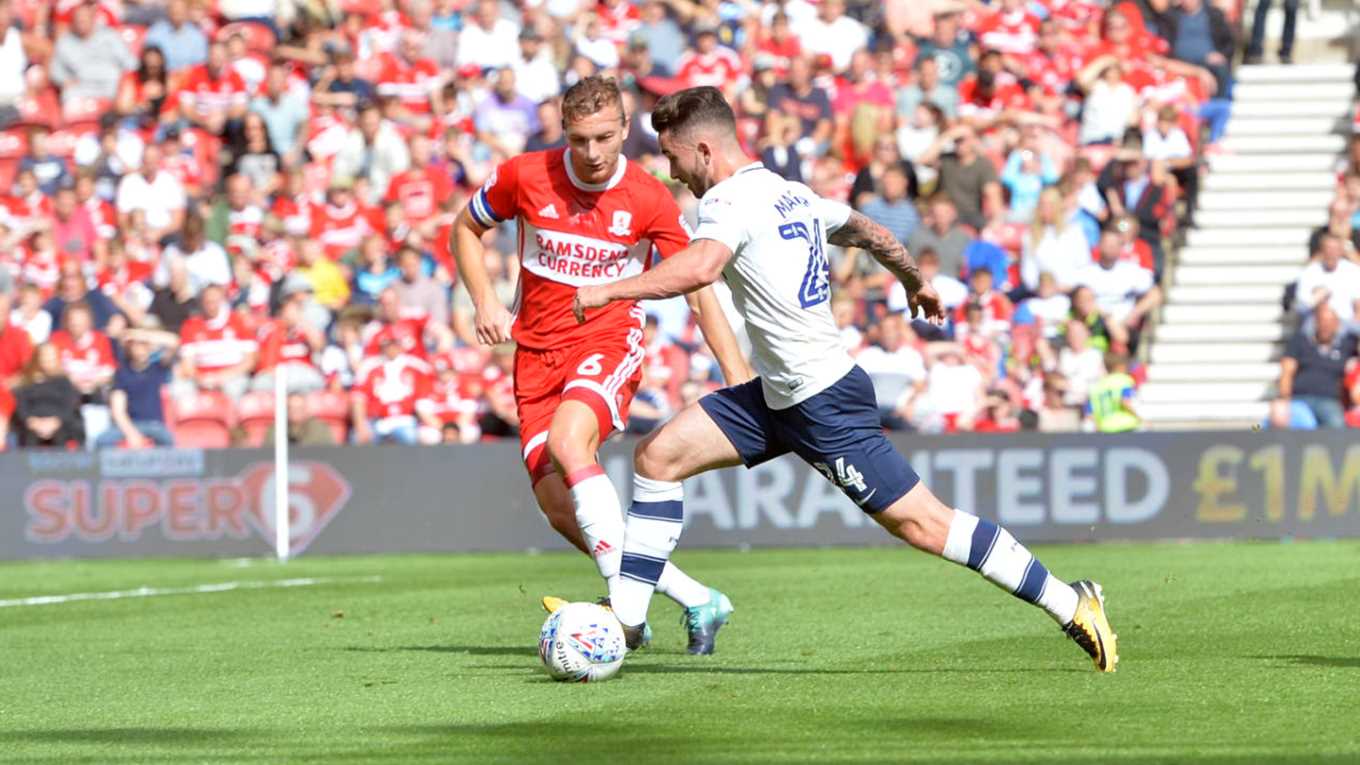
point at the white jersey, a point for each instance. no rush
(779, 276)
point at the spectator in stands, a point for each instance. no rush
(891, 207)
(372, 150)
(419, 295)
(47, 405)
(421, 188)
(72, 229)
(72, 288)
(1167, 142)
(409, 81)
(897, 369)
(952, 292)
(1312, 370)
(1079, 362)
(291, 341)
(954, 391)
(303, 428)
(1054, 245)
(142, 91)
(943, 234)
(951, 47)
(660, 35)
(340, 84)
(1256, 47)
(536, 76)
(176, 300)
(1111, 104)
(155, 193)
(832, 33)
(87, 359)
(1340, 223)
(182, 41)
(869, 179)
(205, 259)
(50, 170)
(488, 39)
(1055, 414)
(798, 97)
(283, 108)
(217, 349)
(1329, 278)
(967, 176)
(135, 401)
(1110, 399)
(15, 345)
(392, 389)
(212, 96)
(1048, 305)
(926, 88)
(506, 119)
(374, 272)
(1133, 188)
(1125, 291)
(328, 282)
(89, 59)
(1025, 175)
(550, 134)
(30, 315)
(13, 62)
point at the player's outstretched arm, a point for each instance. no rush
(492, 321)
(697, 266)
(722, 341)
(859, 231)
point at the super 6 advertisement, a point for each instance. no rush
(396, 499)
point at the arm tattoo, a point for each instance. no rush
(859, 231)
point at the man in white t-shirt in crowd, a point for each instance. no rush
(1331, 278)
(833, 33)
(897, 369)
(153, 191)
(954, 391)
(952, 291)
(1124, 290)
(488, 41)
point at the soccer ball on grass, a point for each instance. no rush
(581, 643)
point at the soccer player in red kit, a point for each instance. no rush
(585, 216)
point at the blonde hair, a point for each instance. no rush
(1038, 226)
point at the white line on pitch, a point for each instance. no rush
(202, 589)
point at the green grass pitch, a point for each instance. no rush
(1230, 653)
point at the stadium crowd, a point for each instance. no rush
(198, 193)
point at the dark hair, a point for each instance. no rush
(691, 107)
(590, 95)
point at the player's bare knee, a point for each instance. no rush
(570, 450)
(651, 461)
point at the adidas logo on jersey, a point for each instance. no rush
(549, 212)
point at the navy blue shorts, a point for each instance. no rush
(836, 431)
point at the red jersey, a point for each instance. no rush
(280, 344)
(215, 344)
(410, 83)
(339, 229)
(86, 359)
(15, 348)
(1015, 32)
(420, 192)
(455, 397)
(393, 387)
(104, 217)
(209, 95)
(718, 69)
(573, 234)
(409, 334)
(245, 222)
(462, 360)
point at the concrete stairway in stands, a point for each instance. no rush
(1215, 353)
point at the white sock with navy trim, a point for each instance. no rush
(655, 521)
(600, 518)
(991, 551)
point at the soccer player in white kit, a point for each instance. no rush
(767, 238)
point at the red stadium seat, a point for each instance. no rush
(332, 408)
(204, 420)
(256, 413)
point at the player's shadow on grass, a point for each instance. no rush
(1345, 662)
(701, 666)
(162, 736)
(471, 650)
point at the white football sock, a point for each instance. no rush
(991, 551)
(600, 518)
(655, 520)
(679, 586)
